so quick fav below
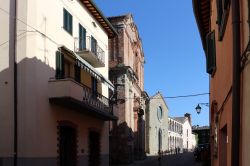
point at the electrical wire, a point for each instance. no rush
(174, 97)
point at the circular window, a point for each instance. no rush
(159, 113)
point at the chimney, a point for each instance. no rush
(189, 117)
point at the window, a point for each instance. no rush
(159, 113)
(211, 53)
(222, 16)
(82, 38)
(67, 21)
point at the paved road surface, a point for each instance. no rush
(183, 159)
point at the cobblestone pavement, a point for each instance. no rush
(183, 159)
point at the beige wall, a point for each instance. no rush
(37, 119)
(6, 86)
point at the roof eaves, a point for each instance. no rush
(99, 16)
(202, 10)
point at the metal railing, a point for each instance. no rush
(95, 99)
(89, 97)
(90, 44)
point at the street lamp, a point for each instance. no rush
(198, 107)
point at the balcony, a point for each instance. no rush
(73, 95)
(90, 51)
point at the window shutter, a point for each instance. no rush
(219, 11)
(59, 65)
(70, 23)
(64, 19)
(82, 38)
(225, 4)
(67, 21)
(211, 53)
(77, 73)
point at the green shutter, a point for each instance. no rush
(219, 11)
(67, 21)
(70, 23)
(59, 65)
(82, 38)
(211, 53)
(64, 19)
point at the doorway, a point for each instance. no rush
(67, 146)
(94, 148)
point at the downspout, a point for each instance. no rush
(236, 84)
(13, 67)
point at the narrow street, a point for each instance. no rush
(183, 159)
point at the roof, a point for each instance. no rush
(202, 13)
(180, 119)
(103, 21)
(200, 128)
(159, 94)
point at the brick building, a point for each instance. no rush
(127, 73)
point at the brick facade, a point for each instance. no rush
(126, 72)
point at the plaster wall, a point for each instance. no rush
(40, 33)
(221, 82)
(187, 135)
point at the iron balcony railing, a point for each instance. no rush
(95, 99)
(87, 95)
(90, 44)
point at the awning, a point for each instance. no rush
(88, 68)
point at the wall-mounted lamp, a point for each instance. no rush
(198, 107)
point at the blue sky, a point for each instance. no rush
(175, 61)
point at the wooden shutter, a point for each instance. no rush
(67, 21)
(59, 65)
(64, 19)
(219, 11)
(70, 23)
(82, 38)
(211, 53)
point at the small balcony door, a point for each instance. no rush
(93, 45)
(82, 38)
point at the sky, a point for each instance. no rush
(175, 60)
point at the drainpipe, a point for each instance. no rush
(236, 84)
(13, 67)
